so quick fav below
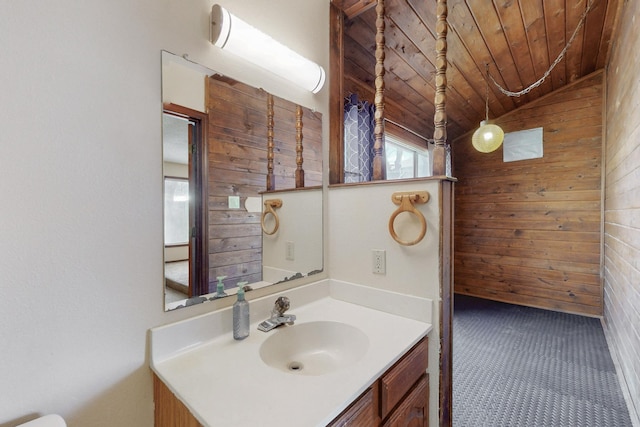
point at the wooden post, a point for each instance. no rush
(336, 93)
(271, 181)
(446, 209)
(440, 116)
(379, 170)
(299, 158)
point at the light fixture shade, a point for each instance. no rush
(230, 33)
(488, 137)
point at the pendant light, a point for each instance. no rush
(488, 137)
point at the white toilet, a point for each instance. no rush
(52, 420)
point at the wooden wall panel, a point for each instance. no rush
(238, 167)
(529, 232)
(622, 202)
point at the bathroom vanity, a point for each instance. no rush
(400, 397)
(377, 375)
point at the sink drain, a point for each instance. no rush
(295, 366)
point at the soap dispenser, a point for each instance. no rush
(241, 315)
(220, 293)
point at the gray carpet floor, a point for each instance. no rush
(517, 366)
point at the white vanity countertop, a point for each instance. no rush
(224, 382)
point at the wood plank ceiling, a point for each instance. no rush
(518, 39)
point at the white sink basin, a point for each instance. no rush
(314, 348)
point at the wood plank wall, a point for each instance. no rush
(238, 167)
(529, 232)
(622, 201)
(359, 77)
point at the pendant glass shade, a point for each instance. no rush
(230, 33)
(487, 138)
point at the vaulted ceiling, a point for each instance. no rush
(517, 39)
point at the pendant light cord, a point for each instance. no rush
(486, 112)
(561, 55)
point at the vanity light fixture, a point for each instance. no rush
(230, 33)
(488, 137)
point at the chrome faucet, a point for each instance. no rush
(278, 318)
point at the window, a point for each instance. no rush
(405, 160)
(176, 211)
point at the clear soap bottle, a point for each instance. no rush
(241, 315)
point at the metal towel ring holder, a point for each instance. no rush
(406, 201)
(270, 205)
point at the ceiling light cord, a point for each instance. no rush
(486, 106)
(534, 85)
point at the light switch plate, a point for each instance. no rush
(290, 251)
(234, 202)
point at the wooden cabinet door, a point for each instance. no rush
(169, 411)
(414, 410)
(396, 383)
(360, 414)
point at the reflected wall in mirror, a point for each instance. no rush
(221, 138)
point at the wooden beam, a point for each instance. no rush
(440, 116)
(271, 181)
(299, 158)
(359, 7)
(336, 104)
(379, 172)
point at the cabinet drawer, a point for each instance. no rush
(359, 414)
(414, 410)
(402, 376)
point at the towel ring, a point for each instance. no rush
(406, 202)
(270, 205)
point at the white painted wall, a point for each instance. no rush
(360, 223)
(81, 172)
(300, 222)
(182, 85)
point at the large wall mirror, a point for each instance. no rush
(242, 173)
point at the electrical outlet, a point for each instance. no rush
(379, 261)
(290, 251)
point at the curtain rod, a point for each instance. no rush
(431, 140)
